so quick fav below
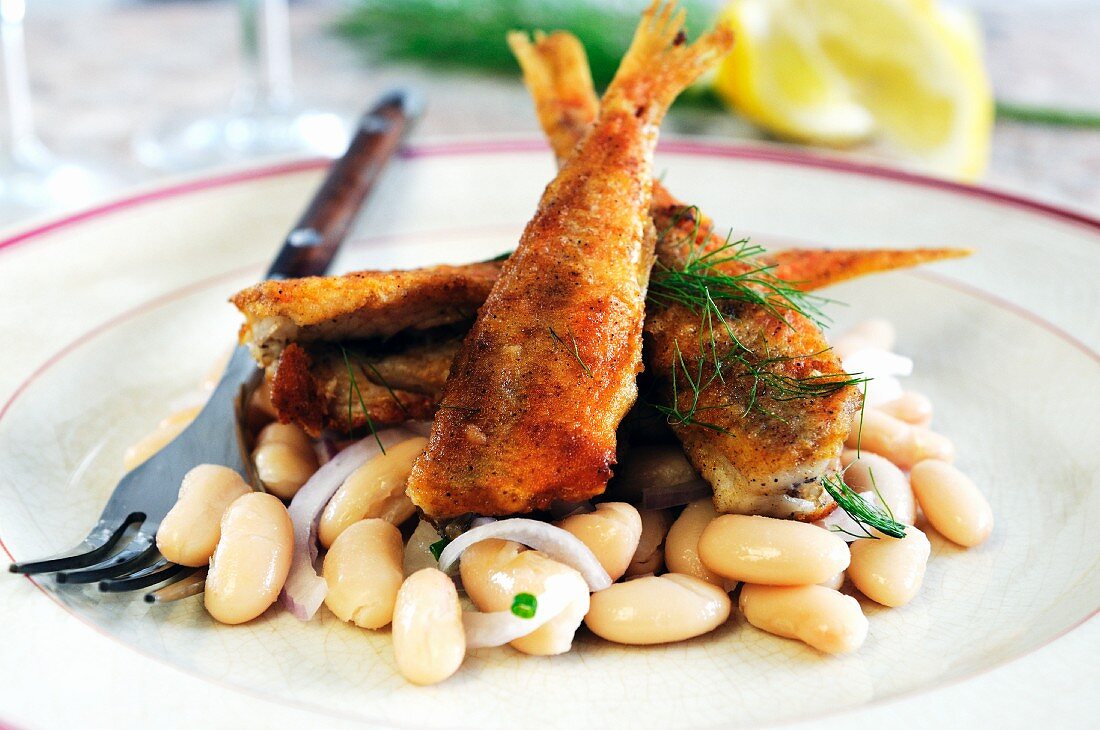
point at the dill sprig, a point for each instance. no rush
(866, 515)
(353, 387)
(706, 277)
(575, 352)
(381, 381)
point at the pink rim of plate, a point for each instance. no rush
(762, 153)
(752, 153)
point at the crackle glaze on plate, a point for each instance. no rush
(112, 316)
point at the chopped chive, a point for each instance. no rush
(437, 548)
(525, 605)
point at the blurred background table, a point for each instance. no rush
(103, 70)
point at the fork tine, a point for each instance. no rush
(91, 550)
(180, 587)
(158, 572)
(141, 549)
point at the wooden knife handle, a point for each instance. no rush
(312, 244)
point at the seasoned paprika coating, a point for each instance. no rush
(359, 305)
(537, 391)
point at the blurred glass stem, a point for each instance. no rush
(31, 178)
(21, 140)
(264, 118)
(265, 42)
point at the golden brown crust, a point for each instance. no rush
(360, 304)
(811, 269)
(312, 388)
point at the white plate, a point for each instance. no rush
(112, 315)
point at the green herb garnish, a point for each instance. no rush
(437, 548)
(701, 282)
(525, 605)
(865, 514)
(575, 352)
(382, 381)
(353, 387)
(700, 285)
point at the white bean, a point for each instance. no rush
(890, 570)
(900, 442)
(611, 532)
(770, 551)
(284, 459)
(835, 582)
(190, 531)
(157, 439)
(376, 489)
(913, 408)
(871, 472)
(260, 408)
(682, 542)
(252, 559)
(872, 333)
(657, 610)
(495, 571)
(650, 555)
(363, 570)
(429, 641)
(952, 503)
(828, 621)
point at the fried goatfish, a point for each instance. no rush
(530, 410)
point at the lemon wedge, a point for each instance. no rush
(907, 73)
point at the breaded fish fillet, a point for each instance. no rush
(359, 305)
(338, 387)
(530, 411)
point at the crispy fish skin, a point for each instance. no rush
(312, 387)
(809, 269)
(555, 68)
(359, 305)
(537, 391)
(762, 453)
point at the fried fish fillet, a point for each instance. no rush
(344, 387)
(359, 305)
(530, 411)
(726, 376)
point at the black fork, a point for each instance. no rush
(143, 497)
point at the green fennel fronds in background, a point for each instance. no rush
(470, 35)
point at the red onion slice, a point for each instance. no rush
(498, 628)
(305, 590)
(555, 542)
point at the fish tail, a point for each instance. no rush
(660, 63)
(810, 269)
(555, 70)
